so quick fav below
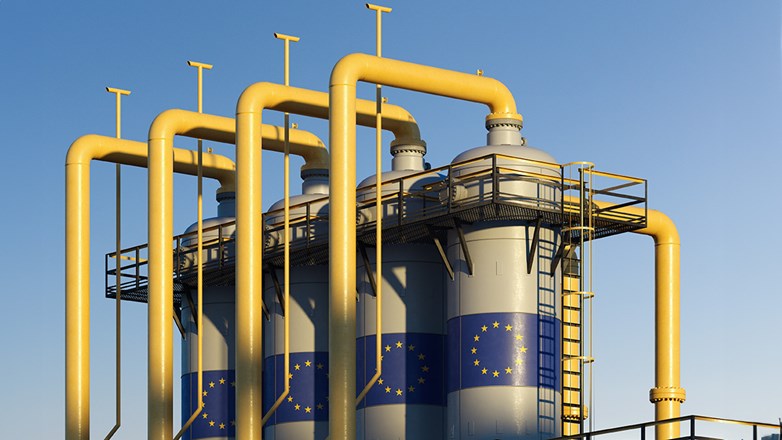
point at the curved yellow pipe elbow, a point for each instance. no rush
(361, 67)
(301, 143)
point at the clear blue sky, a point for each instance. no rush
(684, 93)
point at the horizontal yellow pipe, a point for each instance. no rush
(77, 255)
(342, 199)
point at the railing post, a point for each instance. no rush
(643, 432)
(754, 432)
(495, 181)
(398, 202)
(220, 252)
(692, 428)
(449, 193)
(138, 267)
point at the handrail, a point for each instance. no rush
(691, 418)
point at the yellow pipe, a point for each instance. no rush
(667, 394)
(379, 10)
(118, 93)
(286, 240)
(160, 372)
(342, 199)
(77, 255)
(249, 108)
(200, 253)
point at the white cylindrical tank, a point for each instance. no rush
(504, 325)
(217, 419)
(303, 415)
(408, 401)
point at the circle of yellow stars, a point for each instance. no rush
(399, 391)
(520, 349)
(205, 413)
(290, 399)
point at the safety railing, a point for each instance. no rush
(494, 186)
(718, 428)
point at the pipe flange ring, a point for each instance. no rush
(405, 144)
(665, 394)
(504, 119)
(323, 172)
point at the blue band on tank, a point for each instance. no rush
(309, 387)
(413, 369)
(218, 418)
(504, 349)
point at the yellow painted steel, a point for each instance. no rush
(286, 242)
(667, 394)
(77, 256)
(200, 253)
(342, 198)
(378, 210)
(118, 93)
(249, 108)
(160, 372)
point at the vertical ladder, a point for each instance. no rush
(577, 236)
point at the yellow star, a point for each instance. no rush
(474, 350)
(388, 348)
(211, 384)
(518, 361)
(411, 347)
(425, 369)
(205, 393)
(476, 338)
(290, 398)
(211, 423)
(476, 362)
(484, 328)
(222, 381)
(523, 349)
(203, 404)
(421, 380)
(222, 426)
(319, 406)
(290, 376)
(399, 344)
(205, 415)
(388, 389)
(380, 381)
(495, 324)
(382, 357)
(320, 366)
(519, 337)
(297, 407)
(411, 388)
(421, 356)
(508, 370)
(484, 371)
(307, 363)
(508, 328)
(307, 409)
(297, 367)
(398, 392)
(495, 373)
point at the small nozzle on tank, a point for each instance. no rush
(408, 155)
(504, 131)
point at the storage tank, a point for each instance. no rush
(304, 413)
(408, 400)
(504, 323)
(217, 419)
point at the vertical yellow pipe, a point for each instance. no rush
(378, 209)
(118, 275)
(160, 371)
(77, 301)
(286, 239)
(342, 199)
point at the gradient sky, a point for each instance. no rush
(683, 93)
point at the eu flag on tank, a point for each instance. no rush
(505, 349)
(308, 398)
(413, 369)
(218, 416)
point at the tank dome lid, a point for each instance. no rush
(520, 151)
